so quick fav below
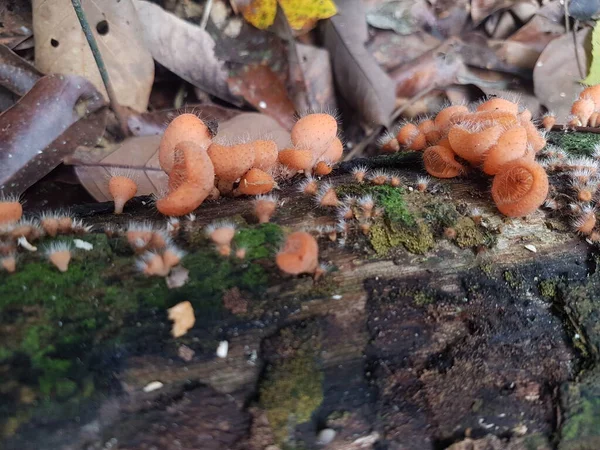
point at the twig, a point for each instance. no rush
(206, 13)
(577, 54)
(566, 6)
(112, 97)
(580, 129)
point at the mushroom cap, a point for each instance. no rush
(10, 212)
(232, 162)
(185, 127)
(300, 254)
(315, 132)
(255, 182)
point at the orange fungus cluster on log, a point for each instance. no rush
(496, 138)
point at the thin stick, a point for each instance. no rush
(577, 54)
(112, 97)
(567, 128)
(206, 13)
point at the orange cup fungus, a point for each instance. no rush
(520, 187)
(122, 189)
(300, 254)
(255, 182)
(185, 127)
(11, 210)
(496, 138)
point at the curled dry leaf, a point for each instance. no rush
(61, 47)
(556, 75)
(361, 81)
(58, 114)
(16, 74)
(185, 49)
(264, 90)
(436, 68)
(139, 155)
(15, 22)
(312, 70)
(482, 9)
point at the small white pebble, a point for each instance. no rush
(336, 297)
(23, 242)
(223, 349)
(262, 104)
(531, 248)
(82, 244)
(153, 386)
(326, 436)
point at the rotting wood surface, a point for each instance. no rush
(403, 351)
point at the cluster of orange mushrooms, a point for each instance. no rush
(496, 137)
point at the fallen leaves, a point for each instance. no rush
(167, 37)
(61, 46)
(366, 87)
(182, 315)
(16, 74)
(593, 76)
(264, 90)
(300, 14)
(556, 75)
(58, 114)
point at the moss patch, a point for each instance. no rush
(576, 143)
(470, 235)
(581, 403)
(385, 237)
(548, 288)
(291, 389)
(56, 329)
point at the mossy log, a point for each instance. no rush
(415, 338)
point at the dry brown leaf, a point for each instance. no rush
(556, 75)
(58, 114)
(184, 48)
(16, 74)
(481, 9)
(15, 22)
(317, 77)
(139, 155)
(365, 86)
(391, 50)
(263, 89)
(61, 47)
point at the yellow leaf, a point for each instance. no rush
(260, 13)
(301, 13)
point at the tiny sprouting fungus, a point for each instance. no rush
(327, 196)
(122, 188)
(359, 173)
(308, 186)
(264, 207)
(222, 233)
(59, 254)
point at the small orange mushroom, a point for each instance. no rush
(122, 189)
(185, 127)
(315, 132)
(300, 254)
(322, 168)
(296, 158)
(222, 233)
(255, 182)
(265, 154)
(511, 145)
(471, 141)
(440, 162)
(499, 104)
(59, 254)
(264, 207)
(520, 187)
(11, 209)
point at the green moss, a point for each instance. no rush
(385, 237)
(469, 235)
(512, 279)
(421, 298)
(576, 143)
(261, 241)
(388, 197)
(291, 389)
(441, 214)
(548, 288)
(581, 414)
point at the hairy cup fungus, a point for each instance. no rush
(255, 182)
(8, 262)
(581, 110)
(172, 256)
(152, 264)
(446, 116)
(122, 188)
(296, 158)
(308, 186)
(471, 141)
(395, 180)
(322, 168)
(548, 121)
(585, 221)
(28, 228)
(411, 137)
(221, 233)
(300, 254)
(334, 152)
(11, 209)
(388, 143)
(499, 104)
(139, 235)
(316, 132)
(264, 207)
(232, 162)
(423, 183)
(191, 180)
(359, 173)
(379, 177)
(440, 162)
(327, 196)
(366, 204)
(511, 145)
(520, 187)
(59, 254)
(185, 127)
(265, 154)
